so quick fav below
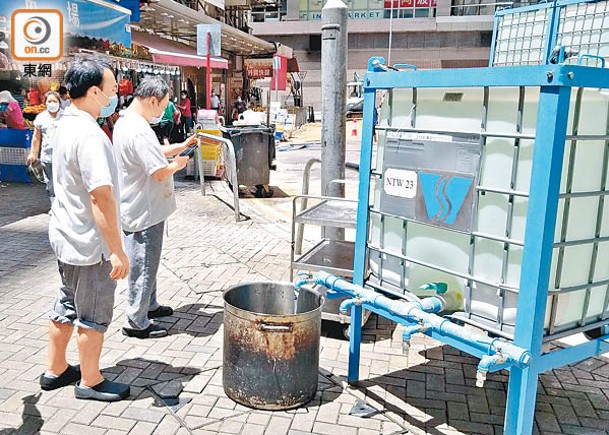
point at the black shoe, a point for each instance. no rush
(69, 376)
(161, 311)
(105, 391)
(153, 331)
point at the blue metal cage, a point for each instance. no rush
(555, 84)
(534, 35)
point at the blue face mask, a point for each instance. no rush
(3, 107)
(110, 108)
(157, 119)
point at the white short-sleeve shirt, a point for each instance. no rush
(145, 201)
(47, 126)
(83, 160)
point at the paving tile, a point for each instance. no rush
(429, 390)
(167, 426)
(333, 429)
(79, 429)
(108, 422)
(147, 415)
(279, 425)
(59, 420)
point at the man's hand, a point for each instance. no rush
(31, 159)
(180, 162)
(120, 265)
(190, 141)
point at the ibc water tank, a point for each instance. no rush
(449, 205)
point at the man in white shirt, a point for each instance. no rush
(214, 102)
(84, 232)
(147, 200)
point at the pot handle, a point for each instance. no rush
(275, 327)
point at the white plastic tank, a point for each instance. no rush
(495, 263)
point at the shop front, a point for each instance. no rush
(192, 67)
(87, 24)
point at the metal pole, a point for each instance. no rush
(276, 68)
(333, 90)
(390, 33)
(208, 71)
(268, 108)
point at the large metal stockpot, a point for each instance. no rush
(271, 344)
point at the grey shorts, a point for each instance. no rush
(86, 297)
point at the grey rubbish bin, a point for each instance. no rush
(271, 344)
(255, 153)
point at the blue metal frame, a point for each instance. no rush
(510, 76)
(511, 11)
(551, 35)
(363, 197)
(548, 153)
(555, 83)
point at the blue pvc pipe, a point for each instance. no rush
(413, 313)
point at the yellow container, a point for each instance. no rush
(211, 151)
(211, 154)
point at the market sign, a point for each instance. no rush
(258, 68)
(402, 4)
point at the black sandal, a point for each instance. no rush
(153, 331)
(161, 311)
(68, 377)
(105, 391)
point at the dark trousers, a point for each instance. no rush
(185, 126)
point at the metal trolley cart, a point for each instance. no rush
(333, 256)
(490, 191)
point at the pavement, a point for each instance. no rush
(177, 380)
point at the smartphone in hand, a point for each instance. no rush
(190, 151)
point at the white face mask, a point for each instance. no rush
(53, 107)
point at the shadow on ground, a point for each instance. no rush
(24, 200)
(197, 320)
(154, 379)
(441, 394)
(31, 417)
(372, 332)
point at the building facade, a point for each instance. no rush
(427, 33)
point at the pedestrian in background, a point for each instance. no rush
(63, 95)
(165, 125)
(147, 200)
(215, 102)
(45, 125)
(85, 234)
(11, 115)
(239, 107)
(186, 112)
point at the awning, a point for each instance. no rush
(174, 53)
(172, 19)
(95, 19)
